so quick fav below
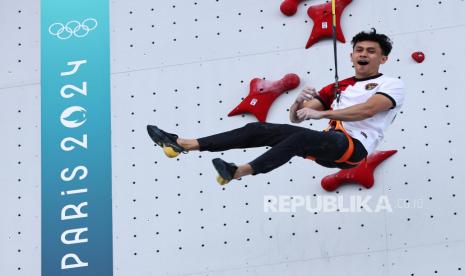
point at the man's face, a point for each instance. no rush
(366, 57)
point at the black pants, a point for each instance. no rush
(286, 141)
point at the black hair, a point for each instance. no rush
(384, 42)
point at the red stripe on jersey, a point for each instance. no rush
(327, 93)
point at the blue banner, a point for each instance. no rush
(76, 143)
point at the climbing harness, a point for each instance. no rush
(336, 125)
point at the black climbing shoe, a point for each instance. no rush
(165, 140)
(225, 170)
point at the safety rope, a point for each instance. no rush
(337, 90)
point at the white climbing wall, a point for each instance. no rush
(183, 65)
(20, 139)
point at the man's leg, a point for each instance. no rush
(249, 136)
(358, 155)
(188, 144)
(328, 146)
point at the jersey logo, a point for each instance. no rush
(370, 86)
(364, 134)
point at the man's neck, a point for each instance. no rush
(365, 76)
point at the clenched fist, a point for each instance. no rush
(307, 94)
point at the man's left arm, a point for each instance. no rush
(375, 104)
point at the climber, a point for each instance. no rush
(359, 108)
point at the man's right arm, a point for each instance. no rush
(313, 104)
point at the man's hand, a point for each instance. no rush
(307, 99)
(308, 113)
(307, 94)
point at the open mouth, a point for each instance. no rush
(362, 62)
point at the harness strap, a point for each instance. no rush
(337, 125)
(350, 149)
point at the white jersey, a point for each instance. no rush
(355, 91)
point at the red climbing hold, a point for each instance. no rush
(362, 174)
(418, 56)
(262, 93)
(322, 21)
(289, 7)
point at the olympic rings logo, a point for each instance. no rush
(73, 28)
